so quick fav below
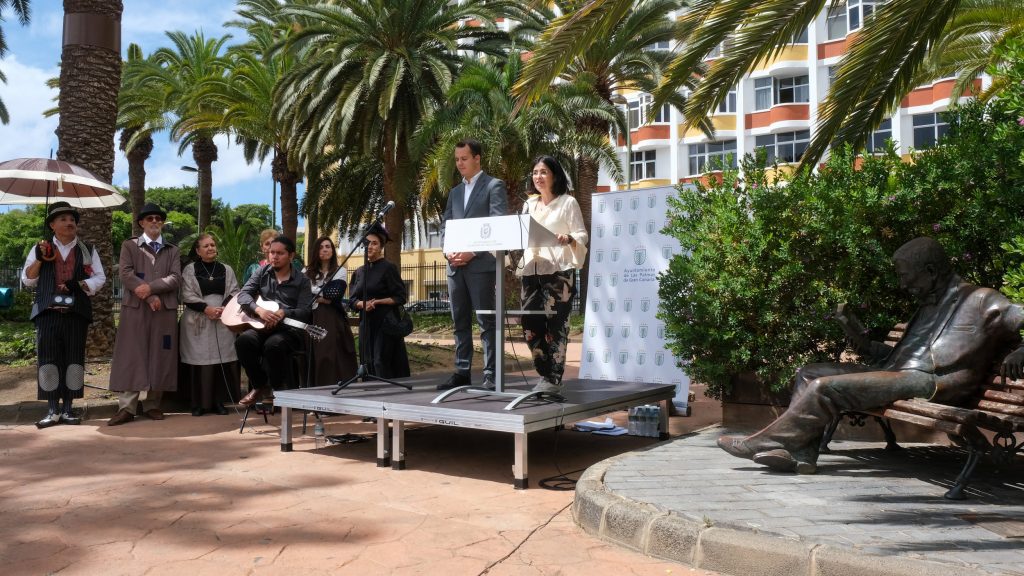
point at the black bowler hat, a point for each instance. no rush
(380, 232)
(58, 208)
(150, 209)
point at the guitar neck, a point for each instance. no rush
(295, 323)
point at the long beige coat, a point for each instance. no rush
(146, 349)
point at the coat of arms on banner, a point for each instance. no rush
(639, 256)
(595, 305)
(633, 227)
(598, 279)
(614, 279)
(608, 331)
(611, 305)
(645, 304)
(615, 254)
(625, 331)
(641, 357)
(643, 330)
(623, 357)
(634, 202)
(652, 200)
(616, 230)
(659, 358)
(600, 230)
(600, 207)
(618, 204)
(627, 305)
(666, 252)
(600, 255)
(650, 226)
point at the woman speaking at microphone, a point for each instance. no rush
(377, 289)
(548, 272)
(334, 357)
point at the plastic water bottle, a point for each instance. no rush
(631, 418)
(318, 433)
(655, 420)
(645, 420)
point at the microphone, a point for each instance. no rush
(387, 208)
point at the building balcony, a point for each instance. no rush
(780, 116)
(936, 94)
(722, 123)
(792, 58)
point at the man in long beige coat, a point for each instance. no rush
(146, 350)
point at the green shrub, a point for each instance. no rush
(21, 309)
(17, 341)
(765, 263)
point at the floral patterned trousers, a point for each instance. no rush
(547, 335)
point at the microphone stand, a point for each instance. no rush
(362, 374)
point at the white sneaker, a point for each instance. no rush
(548, 387)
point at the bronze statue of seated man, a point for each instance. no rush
(948, 346)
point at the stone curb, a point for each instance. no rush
(30, 412)
(669, 536)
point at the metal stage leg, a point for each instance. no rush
(383, 448)
(397, 445)
(521, 481)
(663, 419)
(286, 429)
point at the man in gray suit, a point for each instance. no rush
(471, 274)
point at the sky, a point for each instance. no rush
(33, 57)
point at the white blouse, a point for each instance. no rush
(561, 216)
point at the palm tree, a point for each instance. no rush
(90, 74)
(179, 74)
(887, 59)
(20, 8)
(624, 58)
(140, 113)
(368, 72)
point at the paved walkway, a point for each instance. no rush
(866, 511)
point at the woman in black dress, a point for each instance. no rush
(334, 357)
(377, 288)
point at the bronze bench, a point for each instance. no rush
(996, 407)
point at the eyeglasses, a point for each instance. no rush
(153, 219)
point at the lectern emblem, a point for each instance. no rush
(485, 231)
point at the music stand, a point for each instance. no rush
(362, 374)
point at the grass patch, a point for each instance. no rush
(17, 343)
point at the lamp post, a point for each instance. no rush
(199, 204)
(620, 99)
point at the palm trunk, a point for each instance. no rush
(204, 152)
(90, 76)
(288, 179)
(313, 225)
(587, 180)
(395, 158)
(137, 157)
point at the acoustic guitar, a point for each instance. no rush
(237, 320)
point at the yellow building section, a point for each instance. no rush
(791, 53)
(721, 123)
(423, 271)
(782, 172)
(651, 183)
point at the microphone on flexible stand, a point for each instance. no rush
(387, 208)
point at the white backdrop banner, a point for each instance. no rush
(622, 337)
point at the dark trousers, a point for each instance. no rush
(548, 335)
(60, 351)
(266, 356)
(824, 391)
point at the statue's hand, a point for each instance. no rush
(1013, 364)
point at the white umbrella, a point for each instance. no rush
(42, 181)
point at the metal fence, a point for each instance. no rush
(424, 282)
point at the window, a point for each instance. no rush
(800, 37)
(716, 52)
(785, 147)
(661, 115)
(712, 155)
(642, 164)
(858, 12)
(663, 45)
(634, 114)
(835, 23)
(728, 106)
(762, 93)
(876, 144)
(790, 90)
(928, 129)
(832, 75)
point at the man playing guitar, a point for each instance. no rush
(264, 354)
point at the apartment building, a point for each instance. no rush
(774, 107)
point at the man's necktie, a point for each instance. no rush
(155, 246)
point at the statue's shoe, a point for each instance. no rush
(782, 460)
(743, 447)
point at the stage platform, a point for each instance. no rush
(393, 406)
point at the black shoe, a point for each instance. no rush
(69, 418)
(220, 409)
(51, 419)
(197, 411)
(488, 383)
(454, 381)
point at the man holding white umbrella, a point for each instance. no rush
(66, 273)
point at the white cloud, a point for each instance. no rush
(26, 97)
